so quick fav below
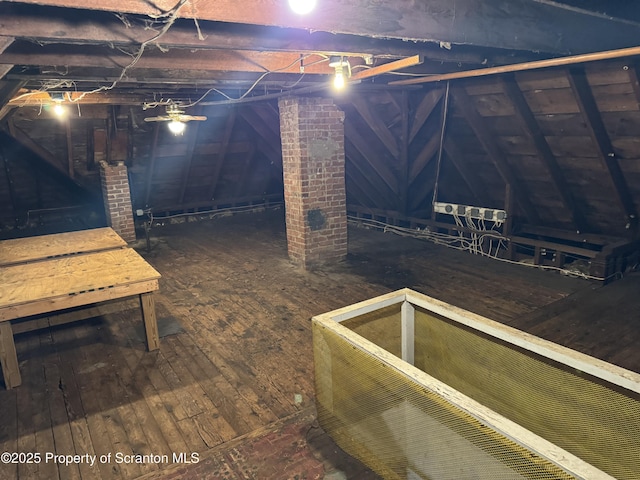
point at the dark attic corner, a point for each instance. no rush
(189, 190)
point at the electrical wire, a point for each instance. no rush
(466, 244)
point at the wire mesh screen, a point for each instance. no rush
(595, 421)
(404, 430)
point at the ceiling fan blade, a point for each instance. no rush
(157, 119)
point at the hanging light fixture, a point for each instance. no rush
(177, 127)
(302, 7)
(58, 108)
(339, 63)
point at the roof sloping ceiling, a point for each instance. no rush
(565, 139)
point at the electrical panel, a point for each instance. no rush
(478, 213)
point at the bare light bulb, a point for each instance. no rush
(177, 128)
(59, 110)
(302, 7)
(338, 80)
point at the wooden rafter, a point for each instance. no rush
(634, 78)
(424, 110)
(466, 105)
(455, 156)
(403, 157)
(272, 147)
(218, 164)
(242, 181)
(360, 174)
(423, 158)
(427, 187)
(26, 141)
(356, 192)
(153, 156)
(600, 137)
(531, 128)
(67, 128)
(10, 185)
(376, 124)
(378, 166)
(210, 60)
(192, 138)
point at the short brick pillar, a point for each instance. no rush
(312, 133)
(117, 199)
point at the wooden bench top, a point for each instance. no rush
(23, 250)
(39, 287)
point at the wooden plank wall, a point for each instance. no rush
(565, 140)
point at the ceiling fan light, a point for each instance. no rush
(176, 127)
(302, 7)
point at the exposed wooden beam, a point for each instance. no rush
(211, 60)
(37, 99)
(10, 186)
(26, 141)
(54, 25)
(356, 192)
(634, 78)
(424, 157)
(219, 161)
(531, 128)
(375, 123)
(520, 67)
(529, 25)
(360, 171)
(378, 165)
(424, 110)
(5, 41)
(153, 155)
(466, 105)
(70, 167)
(428, 175)
(403, 157)
(600, 137)
(470, 178)
(192, 137)
(388, 67)
(242, 181)
(272, 146)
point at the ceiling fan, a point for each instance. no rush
(177, 118)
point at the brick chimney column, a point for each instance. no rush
(312, 133)
(117, 199)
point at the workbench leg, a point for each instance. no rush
(8, 357)
(148, 307)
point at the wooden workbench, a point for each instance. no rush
(69, 281)
(29, 249)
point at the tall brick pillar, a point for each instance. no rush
(312, 132)
(117, 199)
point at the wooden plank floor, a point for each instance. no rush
(233, 379)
